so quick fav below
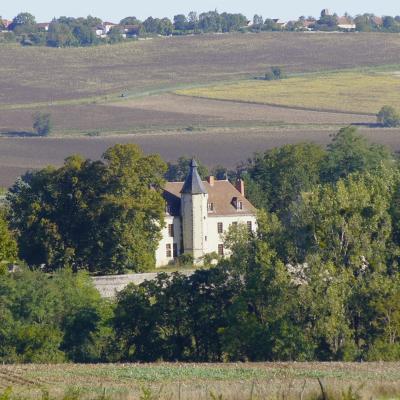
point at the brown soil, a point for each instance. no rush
(46, 74)
(20, 154)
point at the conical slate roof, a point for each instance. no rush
(193, 183)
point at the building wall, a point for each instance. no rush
(161, 253)
(194, 224)
(214, 238)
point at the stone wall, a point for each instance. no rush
(109, 286)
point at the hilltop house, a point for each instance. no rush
(6, 23)
(198, 213)
(346, 23)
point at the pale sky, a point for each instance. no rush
(115, 10)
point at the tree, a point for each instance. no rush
(178, 171)
(115, 35)
(210, 21)
(270, 25)
(180, 22)
(165, 27)
(8, 245)
(60, 35)
(388, 117)
(130, 21)
(278, 176)
(258, 20)
(23, 20)
(151, 25)
(40, 317)
(193, 21)
(2, 26)
(85, 35)
(350, 152)
(42, 123)
(347, 223)
(101, 216)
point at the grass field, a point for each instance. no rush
(199, 381)
(348, 92)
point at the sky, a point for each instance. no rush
(115, 10)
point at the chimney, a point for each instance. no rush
(240, 186)
(211, 180)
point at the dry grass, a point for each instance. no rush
(198, 381)
(354, 92)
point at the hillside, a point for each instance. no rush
(82, 89)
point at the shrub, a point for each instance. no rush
(276, 73)
(186, 259)
(388, 117)
(42, 123)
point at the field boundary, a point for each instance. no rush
(297, 108)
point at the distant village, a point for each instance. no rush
(24, 25)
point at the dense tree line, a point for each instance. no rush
(68, 31)
(102, 216)
(319, 280)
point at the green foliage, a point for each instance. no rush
(8, 245)
(102, 216)
(38, 315)
(388, 117)
(349, 152)
(185, 259)
(42, 123)
(277, 177)
(178, 171)
(276, 73)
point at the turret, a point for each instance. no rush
(194, 202)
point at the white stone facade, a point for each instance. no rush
(198, 214)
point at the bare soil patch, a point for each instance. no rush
(168, 111)
(18, 155)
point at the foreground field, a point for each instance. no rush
(213, 147)
(200, 381)
(349, 92)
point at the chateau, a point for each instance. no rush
(198, 213)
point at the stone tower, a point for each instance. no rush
(194, 211)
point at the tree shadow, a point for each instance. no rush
(19, 134)
(368, 125)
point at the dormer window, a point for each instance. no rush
(238, 204)
(210, 207)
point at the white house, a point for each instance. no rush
(198, 213)
(346, 24)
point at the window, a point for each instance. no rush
(175, 250)
(168, 250)
(168, 209)
(220, 249)
(171, 230)
(250, 226)
(240, 205)
(234, 224)
(210, 206)
(220, 227)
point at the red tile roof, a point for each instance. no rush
(221, 194)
